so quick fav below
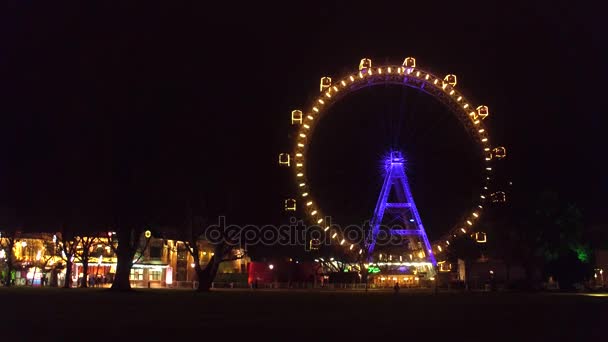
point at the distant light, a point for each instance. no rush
(271, 266)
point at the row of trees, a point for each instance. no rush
(127, 244)
(543, 233)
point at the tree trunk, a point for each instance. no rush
(85, 271)
(123, 272)
(33, 275)
(467, 274)
(125, 251)
(206, 276)
(364, 274)
(68, 274)
(53, 280)
(9, 270)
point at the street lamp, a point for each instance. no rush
(271, 266)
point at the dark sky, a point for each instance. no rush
(173, 102)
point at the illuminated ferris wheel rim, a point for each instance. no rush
(442, 89)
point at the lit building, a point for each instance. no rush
(38, 260)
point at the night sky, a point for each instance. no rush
(145, 106)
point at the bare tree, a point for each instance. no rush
(83, 254)
(223, 250)
(68, 244)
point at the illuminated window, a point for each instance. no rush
(444, 266)
(137, 274)
(155, 274)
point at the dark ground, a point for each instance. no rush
(97, 314)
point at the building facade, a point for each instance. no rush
(39, 260)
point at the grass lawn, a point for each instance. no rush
(265, 315)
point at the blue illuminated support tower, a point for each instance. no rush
(396, 211)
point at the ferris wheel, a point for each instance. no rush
(408, 74)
